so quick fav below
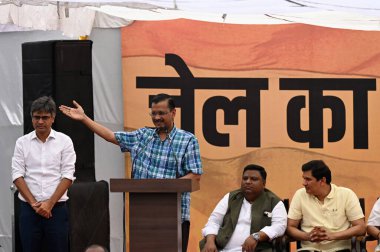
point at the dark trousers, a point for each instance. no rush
(40, 234)
(185, 235)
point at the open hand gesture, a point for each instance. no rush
(76, 113)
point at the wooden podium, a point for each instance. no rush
(154, 212)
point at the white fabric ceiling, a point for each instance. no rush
(76, 18)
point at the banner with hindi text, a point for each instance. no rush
(273, 95)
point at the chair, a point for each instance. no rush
(278, 244)
(363, 242)
(355, 241)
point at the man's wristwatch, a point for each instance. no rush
(256, 236)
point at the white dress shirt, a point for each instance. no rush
(43, 165)
(374, 217)
(243, 226)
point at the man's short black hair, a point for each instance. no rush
(43, 104)
(260, 169)
(318, 169)
(164, 97)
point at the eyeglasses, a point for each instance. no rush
(37, 118)
(158, 113)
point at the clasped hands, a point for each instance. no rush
(43, 208)
(319, 234)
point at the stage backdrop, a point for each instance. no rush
(273, 95)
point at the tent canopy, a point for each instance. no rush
(76, 18)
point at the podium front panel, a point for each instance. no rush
(155, 222)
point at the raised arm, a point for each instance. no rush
(78, 114)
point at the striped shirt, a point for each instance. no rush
(153, 158)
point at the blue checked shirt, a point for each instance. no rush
(152, 158)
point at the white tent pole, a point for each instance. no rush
(13, 190)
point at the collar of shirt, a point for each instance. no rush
(329, 196)
(332, 192)
(52, 134)
(169, 136)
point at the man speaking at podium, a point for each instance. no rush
(161, 152)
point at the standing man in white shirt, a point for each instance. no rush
(246, 219)
(43, 168)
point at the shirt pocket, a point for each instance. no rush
(337, 218)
